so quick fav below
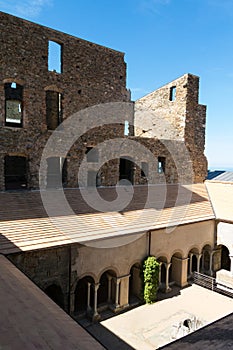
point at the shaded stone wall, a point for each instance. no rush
(46, 267)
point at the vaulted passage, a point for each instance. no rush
(107, 288)
(84, 295)
(135, 283)
(55, 293)
(225, 259)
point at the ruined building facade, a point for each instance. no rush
(47, 76)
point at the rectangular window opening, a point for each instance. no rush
(92, 155)
(92, 180)
(126, 171)
(144, 169)
(161, 165)
(173, 93)
(53, 109)
(126, 128)
(55, 57)
(15, 173)
(56, 172)
(13, 104)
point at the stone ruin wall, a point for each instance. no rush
(184, 119)
(92, 74)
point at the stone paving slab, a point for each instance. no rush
(149, 327)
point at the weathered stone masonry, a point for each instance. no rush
(90, 75)
(179, 118)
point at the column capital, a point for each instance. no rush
(118, 280)
(96, 286)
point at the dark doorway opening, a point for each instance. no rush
(225, 259)
(15, 173)
(126, 170)
(55, 293)
(194, 263)
(81, 294)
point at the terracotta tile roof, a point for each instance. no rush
(31, 320)
(25, 225)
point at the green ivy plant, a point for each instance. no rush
(150, 273)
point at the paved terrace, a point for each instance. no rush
(150, 327)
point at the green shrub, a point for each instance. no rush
(150, 279)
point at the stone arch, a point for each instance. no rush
(175, 268)
(193, 263)
(163, 260)
(194, 249)
(225, 259)
(135, 282)
(54, 291)
(134, 262)
(92, 275)
(207, 246)
(83, 294)
(177, 253)
(109, 268)
(15, 80)
(206, 257)
(53, 88)
(107, 287)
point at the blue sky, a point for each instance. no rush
(162, 40)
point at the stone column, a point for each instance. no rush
(184, 273)
(96, 316)
(190, 263)
(203, 262)
(198, 261)
(211, 262)
(124, 291)
(160, 266)
(231, 267)
(88, 296)
(168, 289)
(109, 288)
(118, 281)
(72, 298)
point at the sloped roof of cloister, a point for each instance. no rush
(25, 224)
(31, 320)
(221, 196)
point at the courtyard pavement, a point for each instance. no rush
(149, 327)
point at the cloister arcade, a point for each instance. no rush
(117, 292)
(119, 286)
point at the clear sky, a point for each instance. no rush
(162, 40)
